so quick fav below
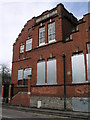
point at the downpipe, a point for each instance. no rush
(63, 56)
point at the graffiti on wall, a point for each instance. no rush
(82, 90)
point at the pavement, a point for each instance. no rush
(48, 113)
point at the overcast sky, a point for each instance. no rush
(15, 13)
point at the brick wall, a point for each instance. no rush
(71, 90)
(21, 99)
(64, 22)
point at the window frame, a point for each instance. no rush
(88, 48)
(26, 70)
(29, 41)
(51, 33)
(48, 72)
(20, 75)
(39, 81)
(88, 66)
(40, 31)
(76, 76)
(22, 48)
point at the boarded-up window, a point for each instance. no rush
(41, 73)
(78, 68)
(20, 74)
(88, 66)
(51, 71)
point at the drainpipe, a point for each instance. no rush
(64, 82)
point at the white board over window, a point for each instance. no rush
(41, 73)
(78, 68)
(51, 71)
(88, 66)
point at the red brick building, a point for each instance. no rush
(53, 49)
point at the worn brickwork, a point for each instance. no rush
(81, 90)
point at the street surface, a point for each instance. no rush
(9, 113)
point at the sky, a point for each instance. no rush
(15, 13)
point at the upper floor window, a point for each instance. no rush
(21, 48)
(42, 35)
(88, 48)
(29, 44)
(51, 32)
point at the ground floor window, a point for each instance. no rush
(20, 74)
(27, 72)
(88, 67)
(41, 73)
(23, 75)
(78, 68)
(51, 71)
